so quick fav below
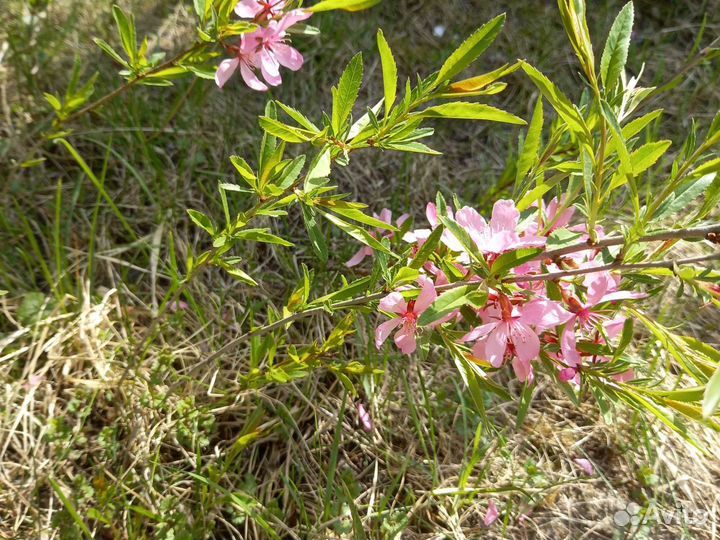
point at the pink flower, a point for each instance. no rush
(601, 287)
(509, 334)
(492, 514)
(365, 418)
(265, 49)
(500, 233)
(259, 9)
(366, 251)
(585, 465)
(408, 315)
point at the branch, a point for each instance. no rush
(673, 234)
(120, 89)
(362, 300)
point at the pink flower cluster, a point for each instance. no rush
(520, 321)
(265, 49)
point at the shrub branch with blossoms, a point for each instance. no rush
(550, 282)
(546, 283)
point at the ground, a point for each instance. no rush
(132, 437)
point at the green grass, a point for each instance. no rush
(126, 437)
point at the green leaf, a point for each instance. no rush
(126, 27)
(389, 68)
(245, 170)
(470, 49)
(317, 238)
(560, 238)
(351, 211)
(202, 221)
(299, 117)
(320, 168)
(711, 398)
(346, 93)
(405, 275)
(282, 131)
(261, 235)
(240, 275)
(356, 232)
(346, 5)
(411, 146)
(291, 173)
(477, 83)
(560, 102)
(450, 301)
(510, 260)
(640, 160)
(615, 54)
(464, 110)
(681, 198)
(105, 46)
(428, 248)
(531, 145)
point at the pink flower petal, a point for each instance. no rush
(365, 418)
(359, 256)
(225, 70)
(288, 56)
(567, 344)
(544, 314)
(585, 465)
(405, 338)
(492, 514)
(247, 9)
(293, 17)
(479, 332)
(251, 79)
(427, 295)
(505, 216)
(393, 303)
(496, 344)
(523, 370)
(383, 330)
(526, 341)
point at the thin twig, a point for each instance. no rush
(676, 234)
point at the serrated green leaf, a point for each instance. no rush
(428, 248)
(105, 46)
(126, 28)
(508, 261)
(614, 56)
(470, 49)
(389, 69)
(464, 110)
(411, 146)
(346, 93)
(202, 221)
(558, 100)
(283, 131)
(291, 173)
(261, 235)
(356, 232)
(299, 117)
(531, 145)
(242, 167)
(317, 238)
(448, 302)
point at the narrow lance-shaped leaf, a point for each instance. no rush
(346, 93)
(470, 49)
(357, 233)
(531, 145)
(389, 68)
(559, 101)
(615, 53)
(126, 28)
(346, 5)
(470, 111)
